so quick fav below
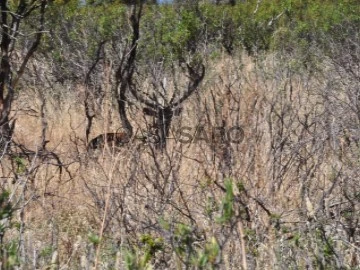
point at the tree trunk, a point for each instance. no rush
(6, 91)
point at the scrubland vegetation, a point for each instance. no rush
(286, 195)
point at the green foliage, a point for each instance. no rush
(46, 252)
(170, 35)
(94, 239)
(192, 253)
(240, 186)
(305, 21)
(6, 210)
(184, 240)
(9, 254)
(164, 224)
(8, 251)
(130, 261)
(328, 248)
(139, 258)
(77, 32)
(209, 255)
(227, 204)
(297, 239)
(151, 246)
(20, 165)
(157, 34)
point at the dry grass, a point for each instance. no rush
(293, 165)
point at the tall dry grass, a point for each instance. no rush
(295, 175)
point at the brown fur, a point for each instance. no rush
(117, 139)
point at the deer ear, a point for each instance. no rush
(148, 111)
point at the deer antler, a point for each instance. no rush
(195, 79)
(195, 76)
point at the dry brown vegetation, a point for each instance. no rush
(295, 176)
(114, 125)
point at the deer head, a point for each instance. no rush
(163, 114)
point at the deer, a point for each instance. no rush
(164, 112)
(111, 139)
(115, 140)
(160, 106)
(162, 117)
